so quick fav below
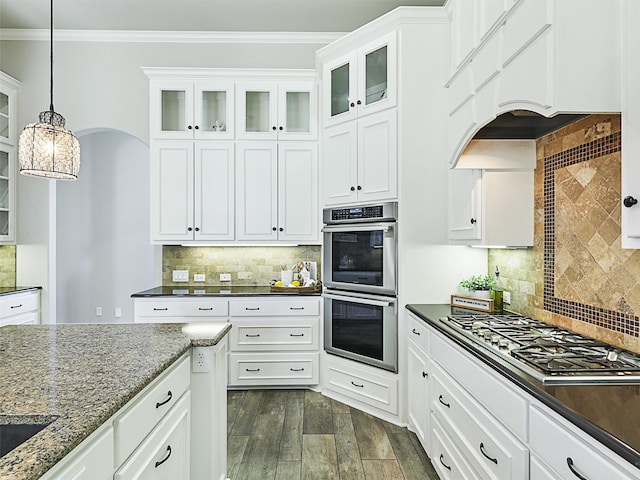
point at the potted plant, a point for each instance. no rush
(479, 285)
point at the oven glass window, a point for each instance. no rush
(357, 328)
(357, 257)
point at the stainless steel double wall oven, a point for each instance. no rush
(359, 273)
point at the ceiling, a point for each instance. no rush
(200, 15)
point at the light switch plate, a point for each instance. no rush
(180, 275)
(199, 277)
(225, 277)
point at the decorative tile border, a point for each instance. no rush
(613, 320)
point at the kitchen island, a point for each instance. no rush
(79, 376)
(607, 413)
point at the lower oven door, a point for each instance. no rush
(362, 327)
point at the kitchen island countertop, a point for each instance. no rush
(216, 291)
(596, 409)
(79, 376)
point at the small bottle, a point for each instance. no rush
(496, 294)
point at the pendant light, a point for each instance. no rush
(47, 149)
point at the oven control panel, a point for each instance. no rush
(361, 213)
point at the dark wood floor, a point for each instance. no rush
(300, 434)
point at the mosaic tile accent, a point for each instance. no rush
(7, 265)
(255, 266)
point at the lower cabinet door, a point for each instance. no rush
(164, 455)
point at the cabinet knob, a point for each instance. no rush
(353, 189)
(197, 229)
(359, 102)
(629, 201)
(273, 128)
(281, 229)
(281, 128)
(189, 127)
(352, 104)
(197, 127)
(359, 187)
(425, 374)
(473, 221)
(189, 229)
(274, 229)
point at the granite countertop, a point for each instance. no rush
(80, 375)
(609, 413)
(12, 290)
(217, 291)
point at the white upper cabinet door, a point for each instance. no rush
(172, 191)
(214, 206)
(257, 191)
(465, 204)
(297, 111)
(8, 108)
(361, 82)
(340, 164)
(183, 109)
(298, 191)
(378, 157)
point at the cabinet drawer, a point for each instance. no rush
(446, 458)
(492, 450)
(30, 318)
(372, 389)
(152, 404)
(19, 303)
(264, 308)
(554, 442)
(164, 455)
(419, 333)
(496, 394)
(275, 334)
(192, 308)
(273, 369)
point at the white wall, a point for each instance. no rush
(103, 250)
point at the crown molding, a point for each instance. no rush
(130, 36)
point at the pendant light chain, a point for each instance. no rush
(51, 56)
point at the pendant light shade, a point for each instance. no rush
(48, 149)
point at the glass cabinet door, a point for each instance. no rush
(4, 116)
(340, 90)
(6, 195)
(375, 74)
(172, 110)
(257, 111)
(297, 111)
(214, 110)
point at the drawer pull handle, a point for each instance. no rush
(252, 309)
(297, 369)
(356, 385)
(296, 308)
(252, 369)
(165, 458)
(573, 470)
(16, 306)
(252, 335)
(155, 309)
(169, 397)
(494, 460)
(444, 464)
(205, 309)
(296, 334)
(425, 374)
(441, 400)
(415, 332)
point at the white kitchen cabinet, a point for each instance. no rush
(360, 81)
(277, 192)
(274, 342)
(491, 207)
(192, 109)
(418, 382)
(568, 453)
(277, 110)
(631, 128)
(360, 160)
(180, 309)
(20, 308)
(8, 152)
(192, 191)
(9, 88)
(447, 459)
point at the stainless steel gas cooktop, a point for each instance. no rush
(548, 353)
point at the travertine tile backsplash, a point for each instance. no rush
(7, 266)
(247, 265)
(577, 275)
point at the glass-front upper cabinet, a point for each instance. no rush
(283, 111)
(7, 195)
(8, 98)
(198, 110)
(361, 82)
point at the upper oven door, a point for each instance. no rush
(360, 258)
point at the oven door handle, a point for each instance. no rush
(364, 301)
(370, 227)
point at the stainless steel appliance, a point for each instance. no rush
(359, 275)
(361, 327)
(550, 354)
(360, 246)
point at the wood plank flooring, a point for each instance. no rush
(303, 435)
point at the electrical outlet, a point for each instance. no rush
(200, 360)
(180, 275)
(117, 312)
(199, 277)
(506, 297)
(98, 311)
(225, 277)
